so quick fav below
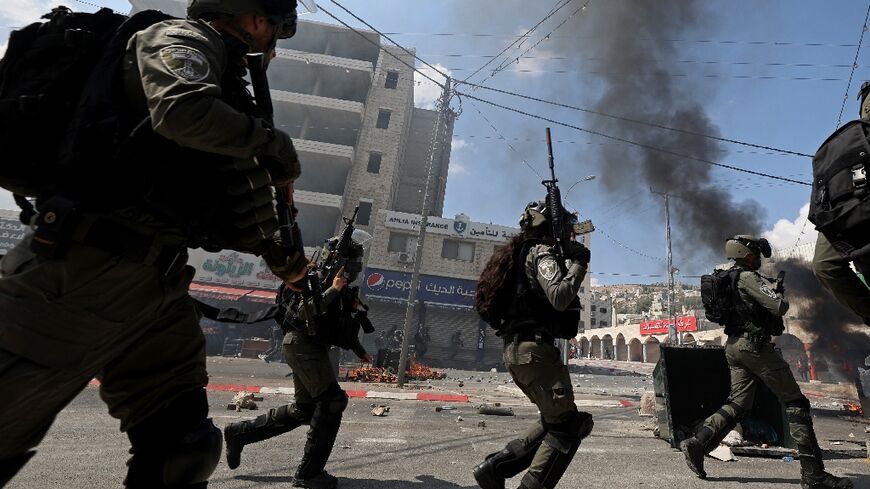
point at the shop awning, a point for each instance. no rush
(218, 292)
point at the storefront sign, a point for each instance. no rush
(11, 232)
(397, 285)
(457, 228)
(660, 326)
(232, 269)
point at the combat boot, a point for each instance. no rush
(323, 480)
(277, 421)
(824, 481)
(485, 474)
(694, 450)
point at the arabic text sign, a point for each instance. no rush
(397, 285)
(233, 269)
(451, 227)
(660, 326)
(11, 232)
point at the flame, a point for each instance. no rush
(854, 408)
(416, 371)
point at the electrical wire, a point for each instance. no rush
(854, 65)
(634, 143)
(522, 37)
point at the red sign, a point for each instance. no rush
(660, 326)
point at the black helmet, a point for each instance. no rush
(281, 13)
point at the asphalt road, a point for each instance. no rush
(415, 447)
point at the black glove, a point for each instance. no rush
(578, 253)
(283, 266)
(780, 278)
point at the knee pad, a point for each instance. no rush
(176, 447)
(286, 415)
(567, 435)
(517, 455)
(333, 401)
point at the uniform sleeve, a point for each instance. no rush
(181, 66)
(753, 287)
(560, 289)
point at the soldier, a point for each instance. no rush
(101, 288)
(318, 399)
(752, 359)
(534, 298)
(831, 268)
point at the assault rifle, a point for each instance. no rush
(554, 202)
(288, 229)
(340, 257)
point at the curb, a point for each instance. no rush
(395, 396)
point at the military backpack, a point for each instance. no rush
(840, 199)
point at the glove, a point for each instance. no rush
(578, 253)
(287, 268)
(280, 157)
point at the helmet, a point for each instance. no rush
(281, 13)
(737, 247)
(863, 102)
(537, 214)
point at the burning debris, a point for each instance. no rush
(416, 371)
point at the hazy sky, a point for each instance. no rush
(770, 73)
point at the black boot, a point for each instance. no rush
(813, 475)
(511, 460)
(277, 421)
(695, 448)
(318, 445)
(323, 480)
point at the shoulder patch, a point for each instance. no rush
(185, 62)
(766, 290)
(547, 268)
(175, 31)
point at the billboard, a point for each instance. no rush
(390, 284)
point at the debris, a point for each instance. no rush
(481, 424)
(647, 404)
(492, 370)
(244, 400)
(836, 443)
(765, 445)
(416, 371)
(851, 435)
(380, 410)
(345, 447)
(788, 459)
(497, 404)
(722, 453)
(461, 384)
(459, 418)
(494, 410)
(734, 438)
(438, 409)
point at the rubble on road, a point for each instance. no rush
(647, 404)
(244, 400)
(378, 375)
(380, 410)
(491, 410)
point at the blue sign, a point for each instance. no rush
(397, 285)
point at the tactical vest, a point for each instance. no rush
(530, 310)
(748, 317)
(338, 326)
(116, 150)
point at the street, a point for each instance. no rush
(414, 446)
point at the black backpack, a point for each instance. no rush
(839, 205)
(719, 296)
(42, 77)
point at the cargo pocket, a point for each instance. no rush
(51, 334)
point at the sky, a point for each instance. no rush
(772, 73)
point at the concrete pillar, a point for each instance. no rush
(811, 362)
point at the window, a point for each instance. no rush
(603, 324)
(400, 243)
(383, 119)
(603, 310)
(365, 213)
(392, 79)
(457, 250)
(374, 163)
(593, 308)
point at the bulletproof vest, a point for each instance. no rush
(194, 191)
(530, 310)
(724, 305)
(336, 327)
(839, 205)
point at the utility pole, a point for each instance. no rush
(438, 137)
(673, 334)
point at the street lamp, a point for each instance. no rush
(587, 178)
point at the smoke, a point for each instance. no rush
(841, 343)
(633, 39)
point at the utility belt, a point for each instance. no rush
(756, 339)
(539, 337)
(60, 223)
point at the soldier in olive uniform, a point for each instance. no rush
(832, 269)
(760, 305)
(529, 294)
(101, 288)
(318, 399)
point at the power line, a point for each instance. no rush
(854, 65)
(634, 143)
(492, 126)
(521, 37)
(636, 121)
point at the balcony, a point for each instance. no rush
(319, 119)
(321, 75)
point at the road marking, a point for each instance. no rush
(396, 441)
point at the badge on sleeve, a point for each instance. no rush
(547, 268)
(765, 289)
(185, 62)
